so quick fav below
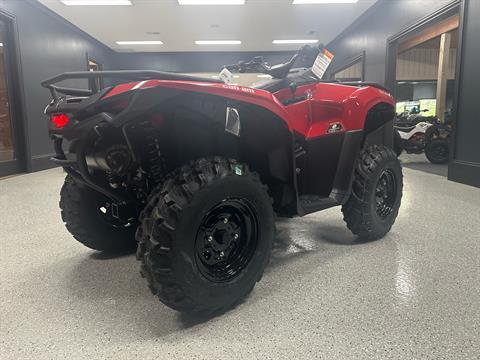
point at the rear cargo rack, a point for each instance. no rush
(138, 75)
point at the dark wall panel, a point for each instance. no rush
(48, 45)
(466, 155)
(371, 31)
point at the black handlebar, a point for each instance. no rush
(256, 64)
(279, 71)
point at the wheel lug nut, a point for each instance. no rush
(210, 238)
(235, 236)
(222, 254)
(225, 220)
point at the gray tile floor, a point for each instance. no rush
(413, 295)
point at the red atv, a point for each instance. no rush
(194, 170)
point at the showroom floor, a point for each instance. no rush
(420, 162)
(413, 295)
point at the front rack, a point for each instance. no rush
(138, 75)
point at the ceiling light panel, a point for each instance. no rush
(96, 2)
(304, 41)
(211, 2)
(218, 42)
(140, 42)
(313, 2)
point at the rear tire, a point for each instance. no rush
(205, 236)
(81, 212)
(437, 151)
(376, 193)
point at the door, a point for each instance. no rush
(9, 156)
(93, 65)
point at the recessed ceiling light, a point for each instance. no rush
(211, 2)
(141, 42)
(304, 2)
(218, 42)
(1, 44)
(281, 42)
(96, 2)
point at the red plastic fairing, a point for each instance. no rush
(325, 103)
(254, 96)
(346, 105)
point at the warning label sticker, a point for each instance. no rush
(322, 62)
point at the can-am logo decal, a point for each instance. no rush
(334, 127)
(239, 88)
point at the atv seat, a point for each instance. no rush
(405, 129)
(300, 76)
(273, 85)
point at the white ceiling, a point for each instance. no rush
(256, 24)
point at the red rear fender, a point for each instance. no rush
(240, 93)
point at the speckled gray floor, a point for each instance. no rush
(420, 162)
(413, 295)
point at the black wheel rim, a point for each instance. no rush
(226, 240)
(386, 193)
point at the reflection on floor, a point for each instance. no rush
(412, 295)
(420, 162)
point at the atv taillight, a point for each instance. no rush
(59, 120)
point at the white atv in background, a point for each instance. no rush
(423, 137)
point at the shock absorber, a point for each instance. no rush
(152, 160)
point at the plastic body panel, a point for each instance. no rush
(326, 103)
(325, 121)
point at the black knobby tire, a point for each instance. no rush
(80, 210)
(376, 193)
(172, 231)
(437, 151)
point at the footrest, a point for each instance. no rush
(312, 203)
(63, 162)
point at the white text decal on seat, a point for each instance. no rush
(239, 88)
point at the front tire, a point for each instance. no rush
(376, 193)
(85, 214)
(205, 236)
(437, 151)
